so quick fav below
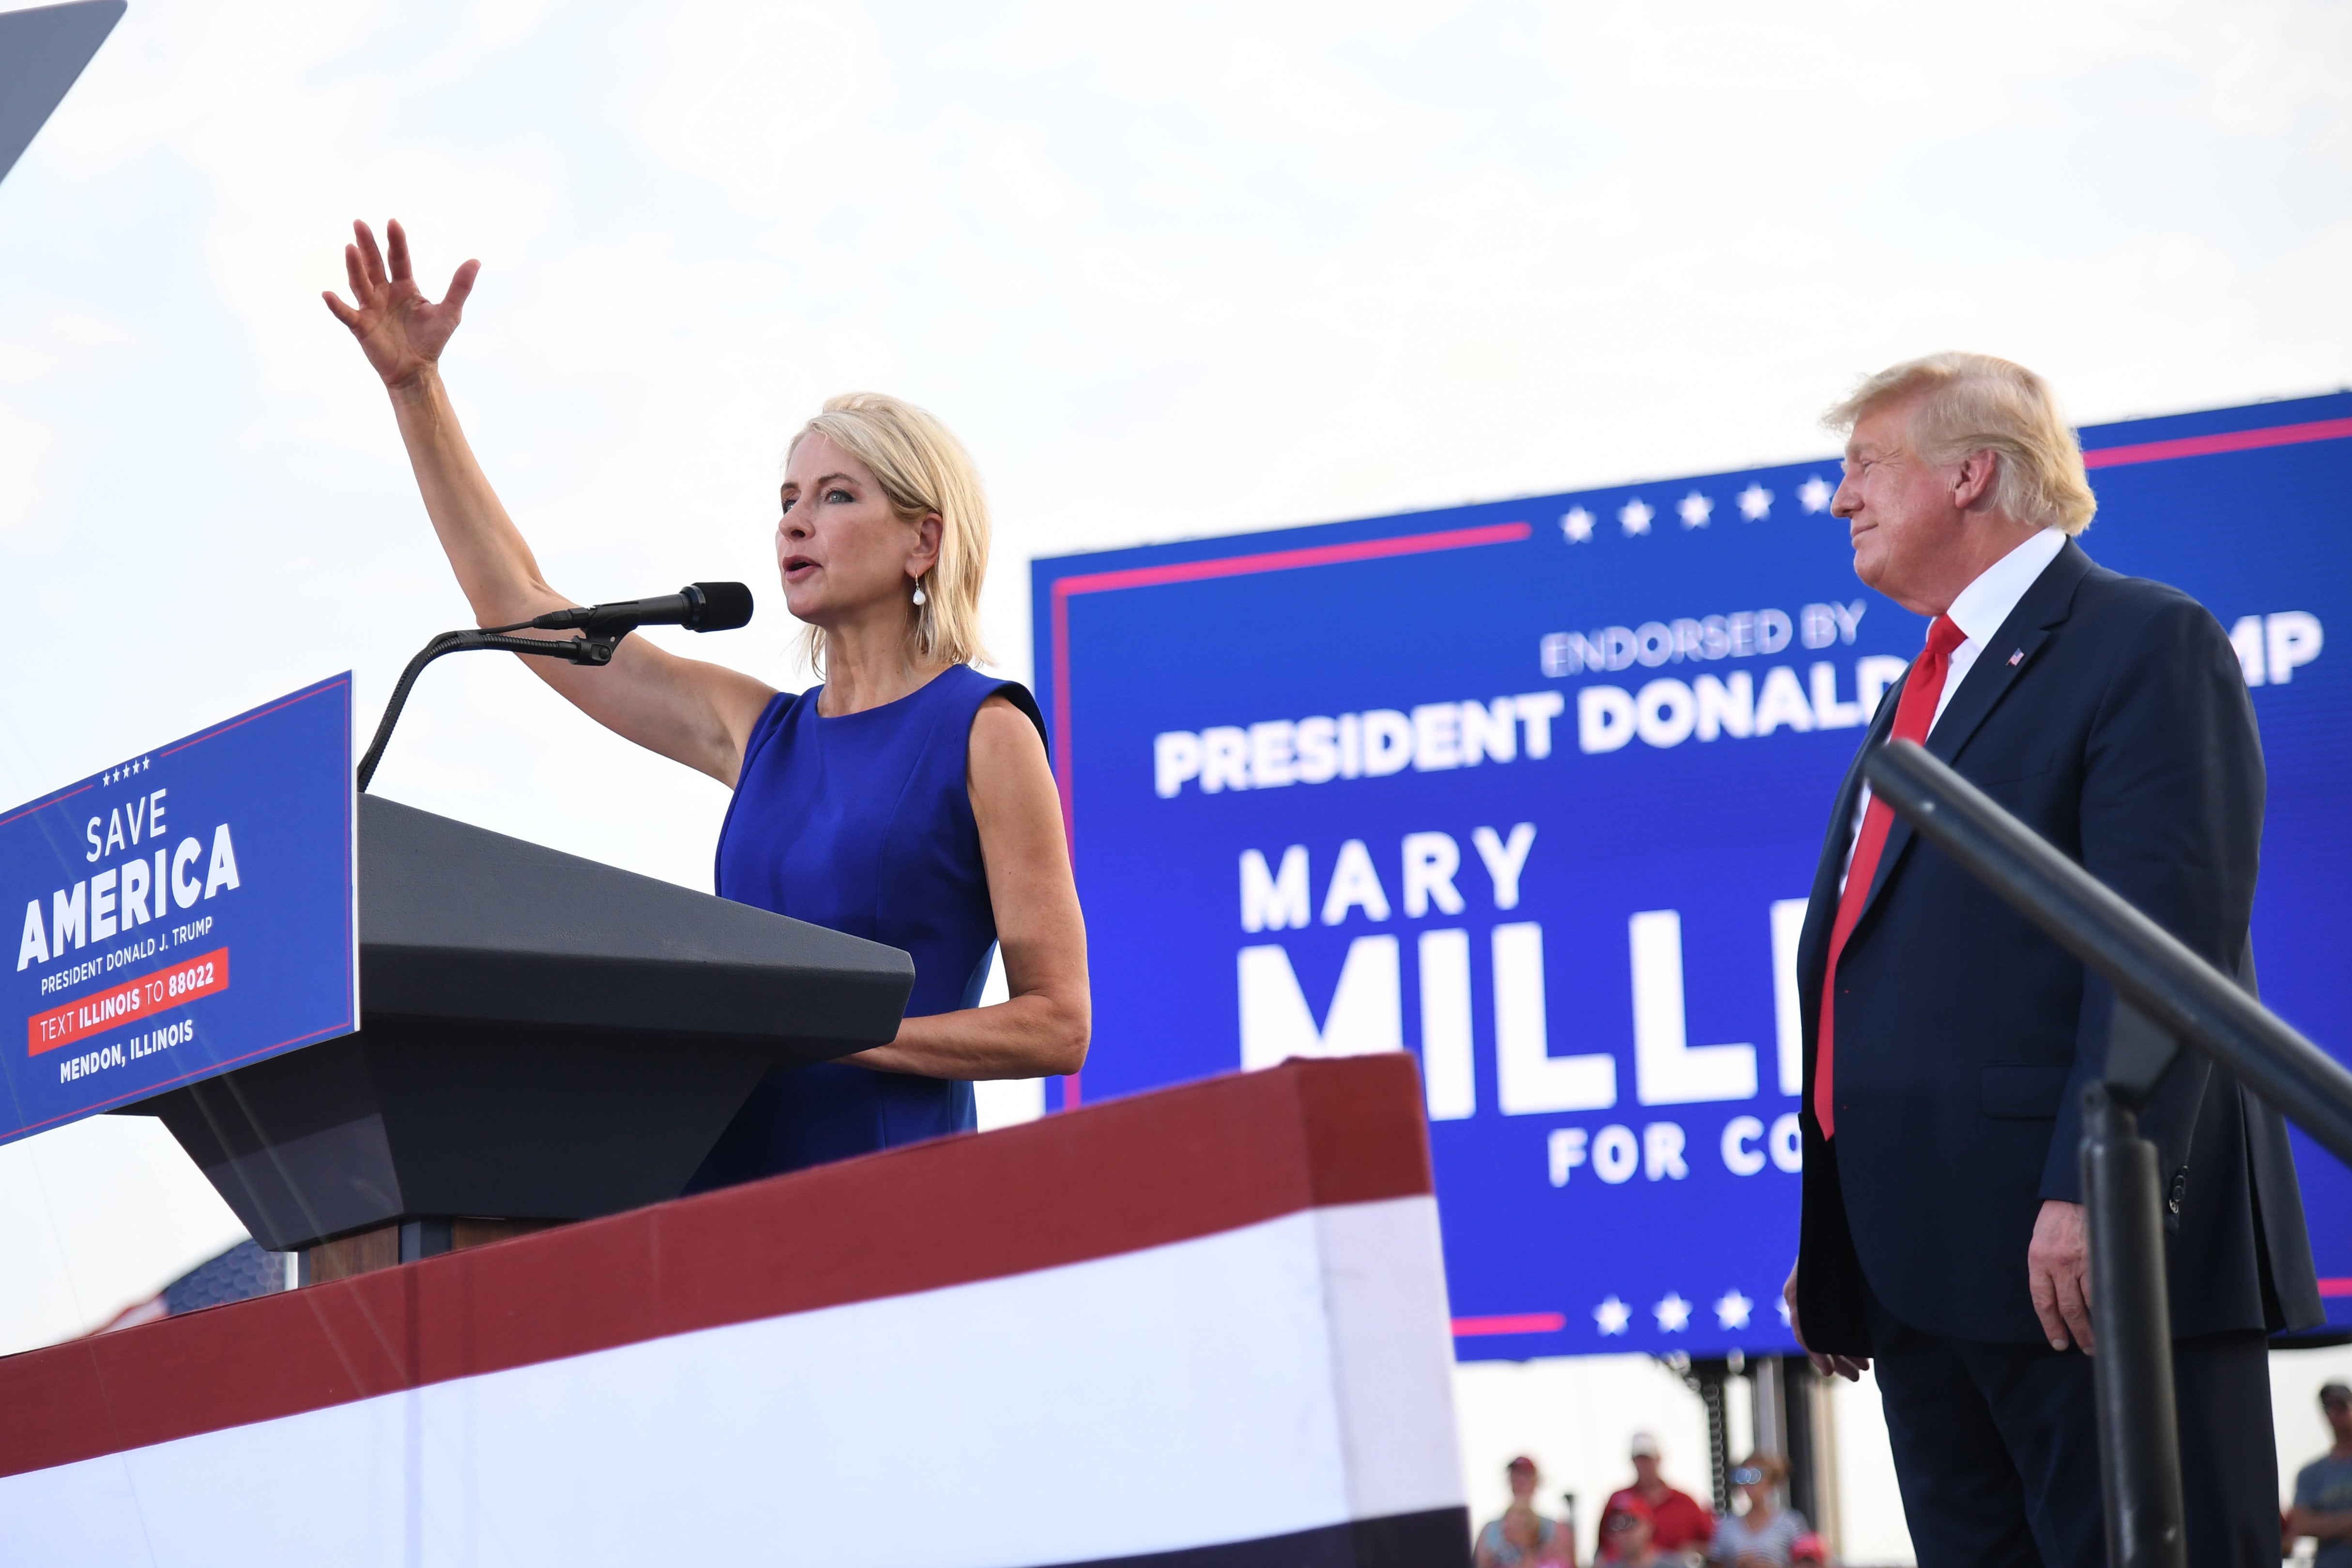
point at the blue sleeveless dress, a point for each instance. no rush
(862, 823)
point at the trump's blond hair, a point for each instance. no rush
(1975, 403)
(922, 468)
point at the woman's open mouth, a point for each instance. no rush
(798, 567)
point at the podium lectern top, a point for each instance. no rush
(460, 923)
(541, 1038)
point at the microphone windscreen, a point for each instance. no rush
(725, 606)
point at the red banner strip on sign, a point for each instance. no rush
(127, 1003)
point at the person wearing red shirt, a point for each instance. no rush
(1678, 1523)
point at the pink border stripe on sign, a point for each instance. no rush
(1510, 1323)
(2227, 440)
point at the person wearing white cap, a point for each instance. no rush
(1678, 1522)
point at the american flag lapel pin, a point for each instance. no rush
(2017, 658)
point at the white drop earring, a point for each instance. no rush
(918, 595)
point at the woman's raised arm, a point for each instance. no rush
(696, 713)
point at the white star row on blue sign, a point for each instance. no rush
(1695, 510)
(116, 775)
(1732, 1311)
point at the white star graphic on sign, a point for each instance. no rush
(1576, 524)
(1754, 502)
(1783, 1305)
(1673, 1313)
(1635, 516)
(1613, 1315)
(1814, 493)
(1731, 1311)
(1695, 511)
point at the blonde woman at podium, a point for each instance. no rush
(906, 800)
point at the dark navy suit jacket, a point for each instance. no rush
(2108, 713)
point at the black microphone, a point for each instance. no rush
(697, 607)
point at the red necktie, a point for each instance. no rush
(1913, 714)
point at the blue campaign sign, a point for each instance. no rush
(186, 912)
(1536, 789)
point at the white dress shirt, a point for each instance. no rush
(1978, 612)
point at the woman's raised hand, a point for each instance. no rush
(401, 332)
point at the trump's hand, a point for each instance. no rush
(2058, 1272)
(1850, 1368)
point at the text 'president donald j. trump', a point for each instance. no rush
(1949, 1042)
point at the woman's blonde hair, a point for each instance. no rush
(921, 468)
(1975, 403)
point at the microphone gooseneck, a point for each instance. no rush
(697, 607)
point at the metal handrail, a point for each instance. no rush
(2182, 994)
(2166, 997)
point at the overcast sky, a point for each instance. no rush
(1168, 270)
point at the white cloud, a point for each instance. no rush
(755, 98)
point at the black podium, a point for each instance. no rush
(543, 1039)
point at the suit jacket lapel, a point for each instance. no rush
(2046, 604)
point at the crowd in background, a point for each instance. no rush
(1652, 1522)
